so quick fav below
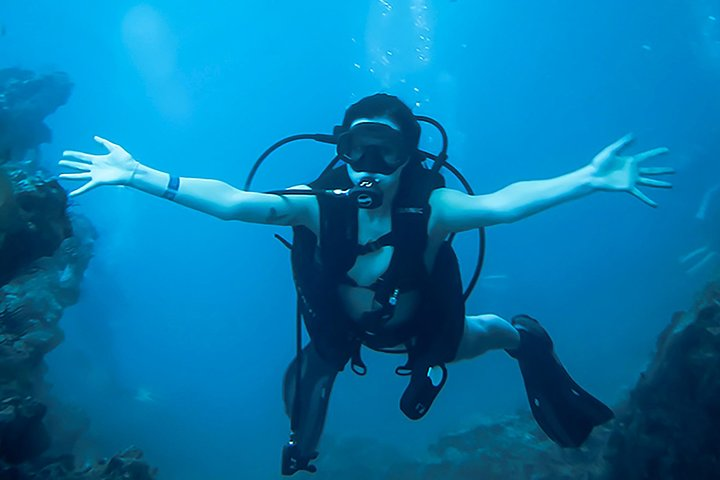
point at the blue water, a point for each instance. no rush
(185, 325)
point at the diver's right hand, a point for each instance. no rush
(117, 167)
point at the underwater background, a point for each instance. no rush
(186, 323)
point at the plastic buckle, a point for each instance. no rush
(356, 363)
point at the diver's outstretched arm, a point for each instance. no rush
(213, 197)
(609, 171)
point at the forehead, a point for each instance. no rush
(381, 120)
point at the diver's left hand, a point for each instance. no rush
(612, 171)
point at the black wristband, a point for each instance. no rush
(172, 188)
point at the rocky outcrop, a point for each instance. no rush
(26, 99)
(670, 426)
(514, 447)
(510, 447)
(33, 219)
(31, 304)
(44, 252)
(127, 465)
(22, 433)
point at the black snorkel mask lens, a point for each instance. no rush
(373, 148)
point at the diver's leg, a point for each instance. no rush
(486, 332)
(316, 384)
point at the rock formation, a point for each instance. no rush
(44, 252)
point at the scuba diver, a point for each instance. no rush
(373, 263)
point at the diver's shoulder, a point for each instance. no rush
(443, 197)
(441, 200)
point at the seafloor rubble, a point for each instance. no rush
(44, 252)
(667, 429)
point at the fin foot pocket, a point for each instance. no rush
(563, 410)
(424, 387)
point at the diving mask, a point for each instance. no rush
(373, 147)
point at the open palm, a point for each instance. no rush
(614, 171)
(114, 168)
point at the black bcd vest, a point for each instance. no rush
(434, 331)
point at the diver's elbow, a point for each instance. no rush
(506, 218)
(227, 212)
(501, 212)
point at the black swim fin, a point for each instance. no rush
(562, 409)
(422, 390)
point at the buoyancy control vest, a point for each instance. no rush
(320, 265)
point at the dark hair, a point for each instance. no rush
(382, 104)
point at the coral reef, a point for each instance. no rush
(44, 252)
(33, 222)
(669, 427)
(25, 100)
(512, 447)
(127, 465)
(22, 433)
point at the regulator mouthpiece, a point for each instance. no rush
(367, 194)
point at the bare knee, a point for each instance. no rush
(486, 332)
(499, 330)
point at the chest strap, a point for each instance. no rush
(370, 247)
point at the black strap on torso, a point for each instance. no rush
(410, 214)
(433, 332)
(375, 245)
(319, 271)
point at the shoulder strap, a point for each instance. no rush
(411, 214)
(338, 224)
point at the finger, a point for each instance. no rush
(656, 170)
(654, 183)
(85, 157)
(76, 165)
(619, 144)
(107, 143)
(650, 153)
(76, 176)
(83, 189)
(643, 197)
